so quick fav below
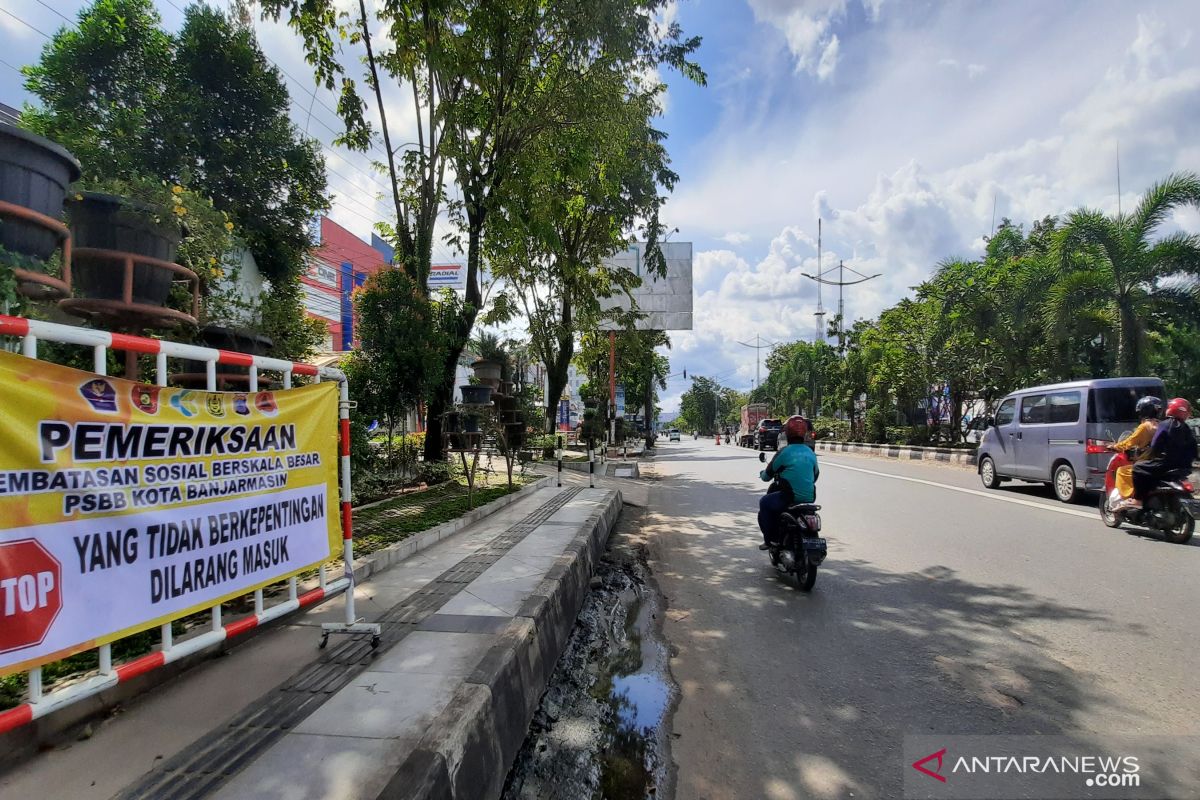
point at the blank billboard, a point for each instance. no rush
(666, 302)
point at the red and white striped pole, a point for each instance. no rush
(352, 623)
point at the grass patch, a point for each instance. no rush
(395, 520)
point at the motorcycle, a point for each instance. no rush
(1170, 507)
(800, 549)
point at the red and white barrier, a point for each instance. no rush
(31, 332)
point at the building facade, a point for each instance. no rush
(340, 263)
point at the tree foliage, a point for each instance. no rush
(1093, 295)
(204, 110)
(487, 79)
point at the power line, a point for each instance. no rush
(23, 22)
(55, 10)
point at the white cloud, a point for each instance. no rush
(829, 58)
(808, 29)
(906, 164)
(973, 70)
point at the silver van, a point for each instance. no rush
(1057, 434)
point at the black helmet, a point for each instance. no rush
(1149, 407)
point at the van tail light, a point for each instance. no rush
(1096, 447)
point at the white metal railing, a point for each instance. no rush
(39, 704)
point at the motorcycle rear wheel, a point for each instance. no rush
(1182, 533)
(806, 573)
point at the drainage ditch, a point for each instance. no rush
(601, 730)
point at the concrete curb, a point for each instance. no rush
(393, 554)
(944, 455)
(469, 748)
(605, 469)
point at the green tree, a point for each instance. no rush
(232, 138)
(700, 406)
(205, 110)
(639, 368)
(487, 77)
(1112, 266)
(102, 87)
(398, 328)
(588, 185)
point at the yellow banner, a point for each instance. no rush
(124, 506)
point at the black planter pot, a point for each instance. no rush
(476, 394)
(470, 423)
(514, 433)
(109, 222)
(34, 173)
(238, 340)
(451, 421)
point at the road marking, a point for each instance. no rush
(1075, 512)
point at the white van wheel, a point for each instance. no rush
(1064, 483)
(987, 473)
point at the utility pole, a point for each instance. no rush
(820, 315)
(758, 347)
(841, 283)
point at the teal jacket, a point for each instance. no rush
(795, 466)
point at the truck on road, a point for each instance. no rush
(752, 414)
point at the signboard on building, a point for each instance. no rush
(323, 274)
(124, 505)
(665, 302)
(448, 276)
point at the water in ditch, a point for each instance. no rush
(601, 728)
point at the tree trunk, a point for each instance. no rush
(1129, 350)
(956, 404)
(556, 372)
(443, 394)
(650, 410)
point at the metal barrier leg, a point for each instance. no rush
(560, 473)
(352, 623)
(592, 474)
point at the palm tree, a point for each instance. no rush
(1108, 267)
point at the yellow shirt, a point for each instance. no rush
(1140, 438)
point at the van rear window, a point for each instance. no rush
(1118, 404)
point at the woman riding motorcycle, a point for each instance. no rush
(794, 470)
(1171, 450)
(1148, 410)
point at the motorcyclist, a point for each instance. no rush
(794, 470)
(1148, 410)
(1171, 450)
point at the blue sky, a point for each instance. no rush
(901, 123)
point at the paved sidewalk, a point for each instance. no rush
(278, 718)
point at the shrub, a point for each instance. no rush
(876, 423)
(829, 428)
(910, 435)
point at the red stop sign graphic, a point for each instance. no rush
(30, 593)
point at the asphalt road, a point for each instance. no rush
(942, 609)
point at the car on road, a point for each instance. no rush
(1058, 434)
(672, 435)
(766, 436)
